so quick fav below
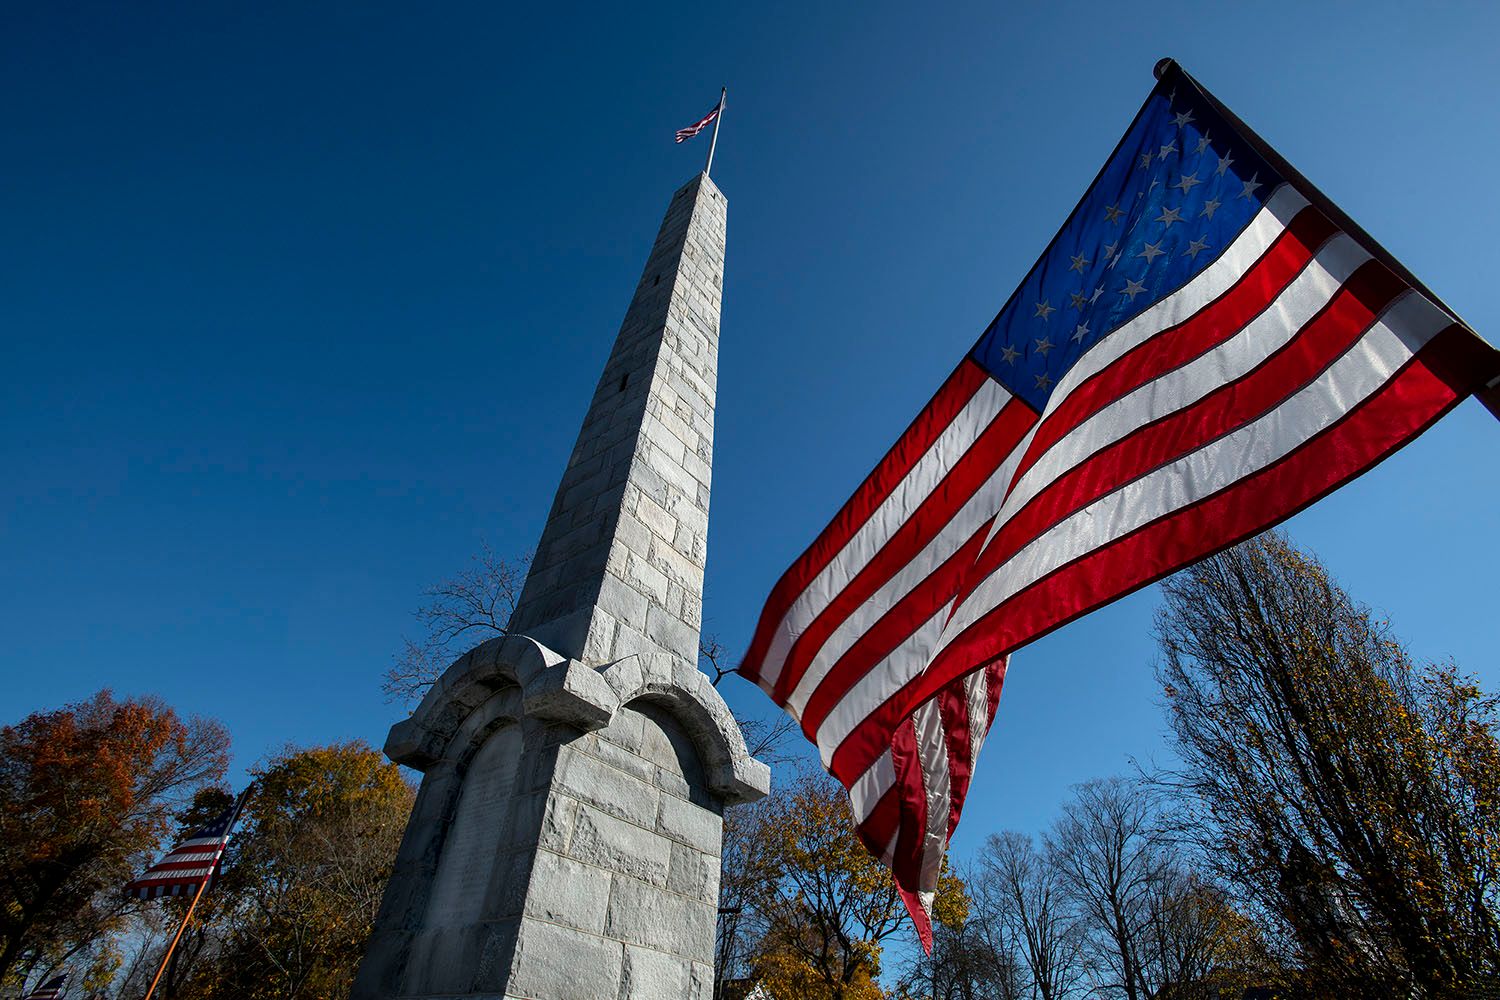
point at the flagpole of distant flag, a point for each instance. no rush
(713, 117)
(189, 867)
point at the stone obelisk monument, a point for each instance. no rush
(565, 842)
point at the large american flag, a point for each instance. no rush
(192, 862)
(52, 989)
(1206, 347)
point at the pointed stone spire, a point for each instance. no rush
(619, 568)
(565, 841)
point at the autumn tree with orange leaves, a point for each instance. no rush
(86, 793)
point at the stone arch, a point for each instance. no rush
(548, 686)
(684, 692)
(551, 687)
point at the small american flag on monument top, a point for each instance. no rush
(52, 989)
(192, 862)
(684, 134)
(1207, 346)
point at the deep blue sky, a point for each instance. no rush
(302, 302)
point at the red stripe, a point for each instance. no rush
(953, 709)
(914, 442)
(1408, 403)
(880, 825)
(877, 642)
(907, 864)
(1324, 339)
(1199, 333)
(994, 678)
(919, 918)
(968, 474)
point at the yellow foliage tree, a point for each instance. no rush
(826, 904)
(313, 853)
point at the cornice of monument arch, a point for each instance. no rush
(557, 689)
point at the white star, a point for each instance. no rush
(1081, 332)
(1112, 253)
(1043, 381)
(1187, 183)
(1170, 147)
(1079, 263)
(1132, 289)
(1195, 248)
(1169, 216)
(1182, 119)
(1097, 292)
(1250, 186)
(1079, 302)
(1044, 309)
(1202, 143)
(1009, 354)
(1043, 346)
(1210, 207)
(1152, 251)
(1224, 162)
(1145, 161)
(1112, 213)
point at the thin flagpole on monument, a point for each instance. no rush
(714, 140)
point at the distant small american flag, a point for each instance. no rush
(52, 989)
(191, 862)
(684, 134)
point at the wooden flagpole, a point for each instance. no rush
(178, 936)
(714, 140)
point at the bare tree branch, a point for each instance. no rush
(459, 614)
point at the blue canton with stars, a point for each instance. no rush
(1179, 188)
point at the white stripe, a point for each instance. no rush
(175, 874)
(208, 851)
(969, 519)
(875, 782)
(1358, 374)
(932, 755)
(978, 689)
(955, 440)
(1298, 303)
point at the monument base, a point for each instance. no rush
(565, 842)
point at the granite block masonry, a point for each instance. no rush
(565, 840)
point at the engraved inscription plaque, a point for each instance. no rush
(467, 864)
